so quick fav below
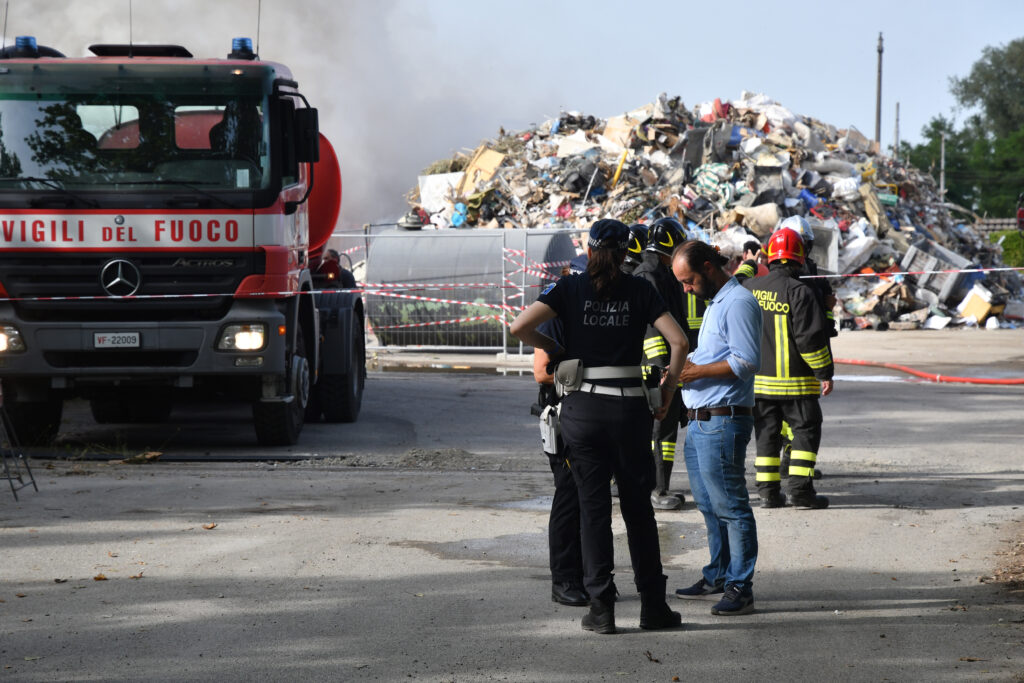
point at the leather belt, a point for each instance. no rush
(591, 388)
(702, 414)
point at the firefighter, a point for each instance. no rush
(826, 298)
(751, 265)
(635, 250)
(796, 368)
(664, 235)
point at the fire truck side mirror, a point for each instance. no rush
(307, 136)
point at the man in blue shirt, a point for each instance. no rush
(718, 388)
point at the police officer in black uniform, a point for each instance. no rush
(564, 552)
(605, 314)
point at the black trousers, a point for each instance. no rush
(564, 546)
(804, 418)
(607, 437)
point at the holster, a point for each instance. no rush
(549, 429)
(568, 376)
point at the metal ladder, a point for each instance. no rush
(15, 467)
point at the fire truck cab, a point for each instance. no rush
(162, 217)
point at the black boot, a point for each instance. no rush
(661, 499)
(654, 611)
(601, 618)
(771, 498)
(803, 495)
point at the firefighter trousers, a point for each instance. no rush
(804, 417)
(663, 443)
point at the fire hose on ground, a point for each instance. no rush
(931, 377)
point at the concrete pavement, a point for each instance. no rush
(427, 560)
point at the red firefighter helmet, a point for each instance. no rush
(785, 243)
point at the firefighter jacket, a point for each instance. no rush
(746, 270)
(795, 353)
(822, 291)
(656, 351)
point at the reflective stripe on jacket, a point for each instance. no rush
(795, 353)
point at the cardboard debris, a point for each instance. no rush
(482, 167)
(726, 166)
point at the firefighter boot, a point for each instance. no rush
(771, 495)
(803, 495)
(601, 618)
(654, 611)
(661, 499)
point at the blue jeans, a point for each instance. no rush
(715, 452)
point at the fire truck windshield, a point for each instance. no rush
(136, 144)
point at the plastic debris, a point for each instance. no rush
(730, 171)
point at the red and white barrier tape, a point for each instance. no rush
(412, 297)
(440, 322)
(434, 285)
(386, 289)
(914, 272)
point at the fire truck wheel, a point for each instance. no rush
(35, 423)
(279, 424)
(314, 410)
(341, 396)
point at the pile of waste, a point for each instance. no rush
(732, 171)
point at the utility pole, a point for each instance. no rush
(878, 94)
(942, 169)
(896, 144)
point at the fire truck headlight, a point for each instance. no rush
(11, 340)
(242, 338)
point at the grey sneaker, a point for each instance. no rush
(734, 602)
(701, 589)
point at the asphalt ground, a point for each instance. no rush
(411, 545)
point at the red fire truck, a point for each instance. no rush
(163, 219)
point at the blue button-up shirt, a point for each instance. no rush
(731, 331)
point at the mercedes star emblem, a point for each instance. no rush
(120, 278)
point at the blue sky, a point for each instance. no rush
(402, 83)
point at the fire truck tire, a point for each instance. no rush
(279, 424)
(313, 409)
(341, 396)
(35, 423)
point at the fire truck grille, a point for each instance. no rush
(115, 359)
(171, 286)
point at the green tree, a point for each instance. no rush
(985, 157)
(960, 176)
(996, 87)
